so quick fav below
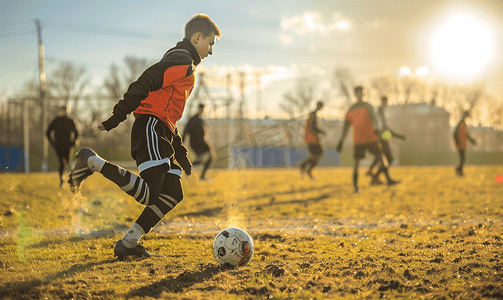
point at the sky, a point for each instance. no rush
(458, 42)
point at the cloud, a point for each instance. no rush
(286, 39)
(315, 22)
(275, 73)
(376, 24)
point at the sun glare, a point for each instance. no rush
(462, 45)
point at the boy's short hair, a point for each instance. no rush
(358, 88)
(203, 24)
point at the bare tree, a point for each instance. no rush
(113, 85)
(344, 82)
(116, 84)
(67, 84)
(134, 67)
(409, 87)
(383, 85)
(300, 99)
(30, 90)
(496, 115)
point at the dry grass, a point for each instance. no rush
(433, 236)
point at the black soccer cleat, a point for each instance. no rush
(393, 182)
(376, 181)
(81, 170)
(122, 251)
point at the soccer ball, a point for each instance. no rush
(233, 247)
(386, 135)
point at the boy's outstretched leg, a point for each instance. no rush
(164, 193)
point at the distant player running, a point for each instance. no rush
(315, 151)
(361, 116)
(197, 130)
(157, 99)
(62, 134)
(460, 137)
(385, 134)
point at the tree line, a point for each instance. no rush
(486, 110)
(70, 85)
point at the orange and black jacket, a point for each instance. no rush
(162, 90)
(361, 116)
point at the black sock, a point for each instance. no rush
(355, 180)
(385, 171)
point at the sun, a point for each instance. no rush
(462, 45)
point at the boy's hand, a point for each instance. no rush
(110, 124)
(184, 162)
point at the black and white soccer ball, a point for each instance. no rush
(233, 247)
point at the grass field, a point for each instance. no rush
(434, 235)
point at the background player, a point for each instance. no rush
(314, 149)
(158, 99)
(460, 137)
(197, 130)
(385, 135)
(361, 116)
(62, 134)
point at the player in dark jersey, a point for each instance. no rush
(62, 135)
(385, 134)
(197, 130)
(315, 151)
(361, 116)
(460, 138)
(158, 100)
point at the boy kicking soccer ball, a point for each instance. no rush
(157, 99)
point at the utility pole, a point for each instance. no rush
(41, 64)
(242, 86)
(228, 100)
(259, 95)
(241, 114)
(26, 135)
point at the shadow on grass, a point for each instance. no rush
(70, 237)
(209, 212)
(29, 289)
(290, 192)
(179, 283)
(301, 201)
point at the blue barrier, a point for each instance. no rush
(278, 157)
(11, 159)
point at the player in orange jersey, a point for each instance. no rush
(312, 139)
(361, 116)
(460, 137)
